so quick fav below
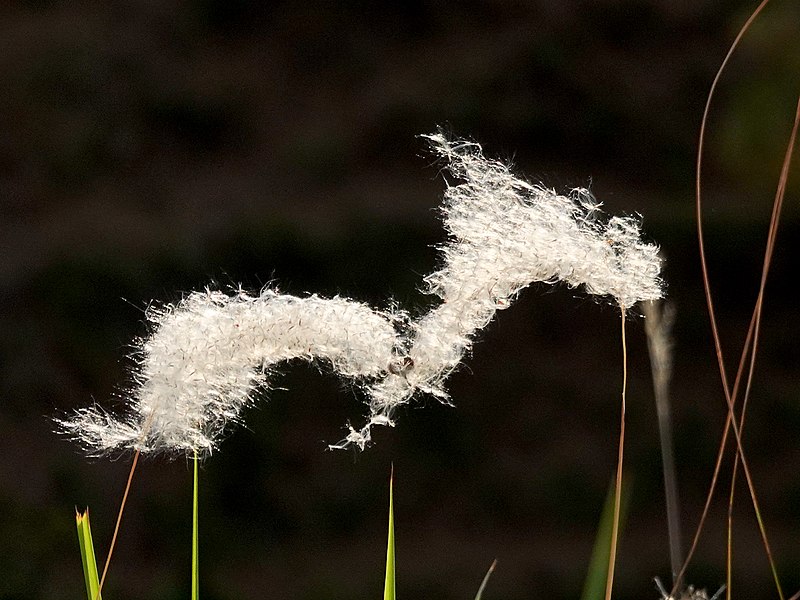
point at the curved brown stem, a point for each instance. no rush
(730, 399)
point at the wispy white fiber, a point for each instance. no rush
(505, 234)
(208, 354)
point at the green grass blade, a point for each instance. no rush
(594, 587)
(195, 549)
(486, 580)
(389, 584)
(86, 544)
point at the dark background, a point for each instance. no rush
(151, 148)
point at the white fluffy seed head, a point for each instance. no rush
(509, 233)
(505, 234)
(209, 353)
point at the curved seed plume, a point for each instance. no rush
(208, 353)
(505, 234)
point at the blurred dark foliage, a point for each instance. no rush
(152, 148)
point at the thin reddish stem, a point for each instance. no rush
(612, 555)
(119, 520)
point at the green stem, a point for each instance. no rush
(195, 566)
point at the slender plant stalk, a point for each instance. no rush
(612, 555)
(195, 548)
(730, 398)
(755, 323)
(119, 520)
(729, 552)
(718, 464)
(479, 595)
(757, 312)
(389, 583)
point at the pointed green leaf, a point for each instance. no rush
(594, 587)
(389, 584)
(86, 544)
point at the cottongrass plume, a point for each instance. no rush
(208, 353)
(505, 234)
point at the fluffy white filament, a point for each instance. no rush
(208, 353)
(505, 234)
